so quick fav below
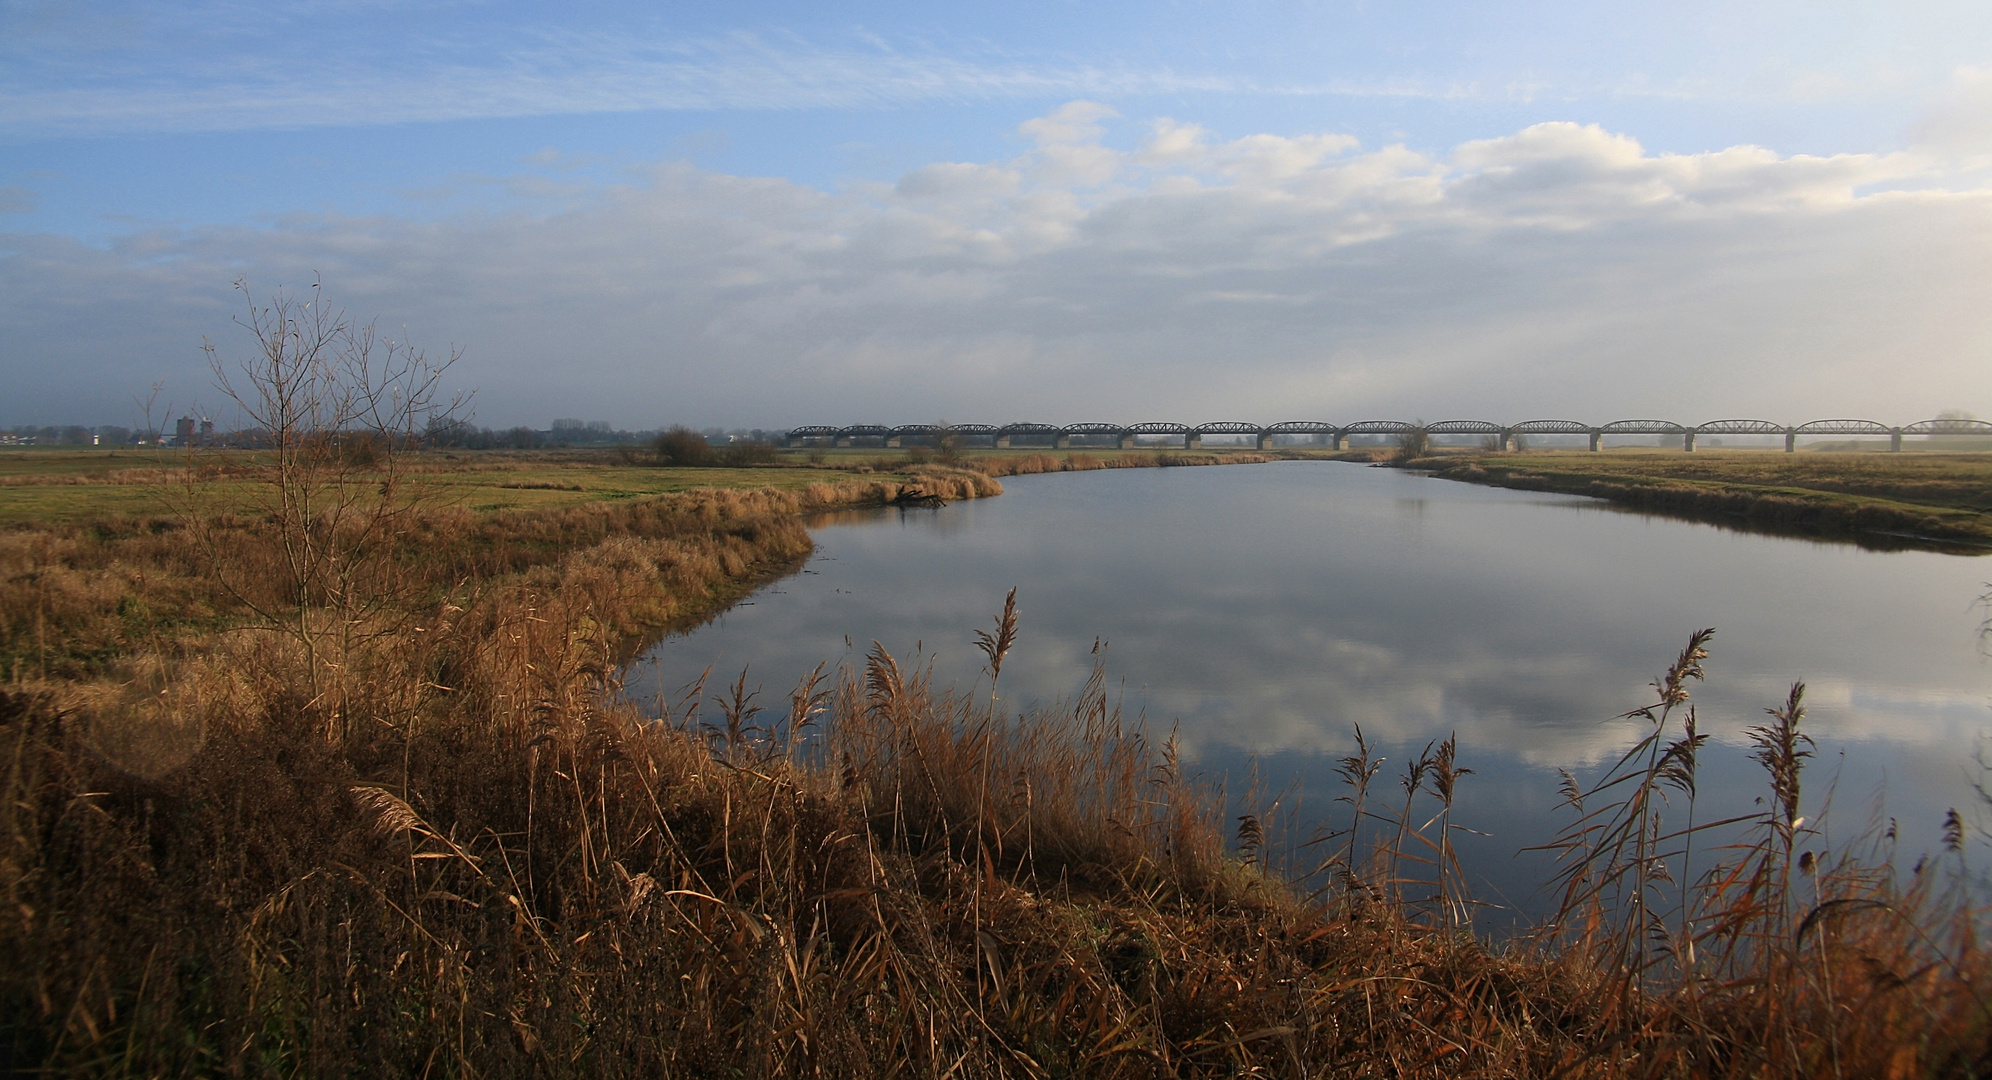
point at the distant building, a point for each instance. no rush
(190, 432)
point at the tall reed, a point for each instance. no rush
(496, 865)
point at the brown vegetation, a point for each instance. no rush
(445, 844)
(1882, 500)
(1030, 464)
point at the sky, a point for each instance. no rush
(767, 214)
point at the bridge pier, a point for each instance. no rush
(1791, 441)
(1002, 442)
(1126, 441)
(1688, 442)
(1193, 441)
(1061, 441)
(1265, 441)
(894, 442)
(1504, 440)
(1335, 439)
(841, 440)
(1597, 440)
(1895, 439)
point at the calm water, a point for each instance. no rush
(1266, 609)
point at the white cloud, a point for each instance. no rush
(1559, 270)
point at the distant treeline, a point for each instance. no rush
(73, 435)
(454, 434)
(469, 436)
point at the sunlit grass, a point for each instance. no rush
(447, 844)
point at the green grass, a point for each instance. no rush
(67, 486)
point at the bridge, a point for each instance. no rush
(1126, 437)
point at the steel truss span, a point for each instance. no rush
(1192, 435)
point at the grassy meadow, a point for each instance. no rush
(48, 486)
(355, 791)
(41, 486)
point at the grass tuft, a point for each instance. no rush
(479, 858)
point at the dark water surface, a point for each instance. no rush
(1266, 609)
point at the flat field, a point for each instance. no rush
(65, 486)
(61, 486)
(1868, 497)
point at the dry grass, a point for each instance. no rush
(40, 488)
(76, 597)
(1883, 500)
(478, 859)
(1030, 464)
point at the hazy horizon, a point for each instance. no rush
(764, 215)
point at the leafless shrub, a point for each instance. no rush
(1412, 443)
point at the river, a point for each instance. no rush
(1265, 610)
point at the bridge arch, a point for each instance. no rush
(1848, 426)
(1469, 427)
(1556, 427)
(1551, 427)
(848, 436)
(1091, 430)
(1155, 427)
(1191, 436)
(1378, 427)
(1370, 427)
(1842, 427)
(930, 432)
(1006, 434)
(1297, 427)
(1223, 427)
(1740, 427)
(1650, 427)
(797, 436)
(1947, 426)
(965, 432)
(1643, 427)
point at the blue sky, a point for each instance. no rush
(768, 214)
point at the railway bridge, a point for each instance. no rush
(1127, 436)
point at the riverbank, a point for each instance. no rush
(1938, 501)
(411, 823)
(76, 486)
(1030, 464)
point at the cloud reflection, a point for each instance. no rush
(1272, 608)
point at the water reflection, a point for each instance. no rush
(1267, 609)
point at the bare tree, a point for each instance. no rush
(334, 411)
(1413, 442)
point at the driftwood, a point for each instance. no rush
(914, 495)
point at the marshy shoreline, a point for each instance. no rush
(1924, 501)
(411, 822)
